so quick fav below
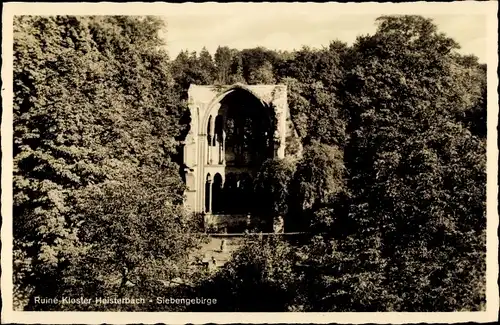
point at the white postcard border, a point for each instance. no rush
(488, 9)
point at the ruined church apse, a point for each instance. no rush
(244, 139)
(234, 129)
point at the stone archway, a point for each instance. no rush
(248, 127)
(208, 194)
(218, 203)
(233, 130)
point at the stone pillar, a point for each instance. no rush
(191, 189)
(282, 126)
(279, 134)
(212, 125)
(222, 147)
(212, 140)
(222, 196)
(209, 139)
(283, 108)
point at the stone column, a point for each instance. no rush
(202, 157)
(222, 148)
(222, 197)
(282, 123)
(283, 105)
(208, 140)
(212, 139)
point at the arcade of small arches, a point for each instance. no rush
(231, 195)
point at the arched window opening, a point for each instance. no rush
(239, 137)
(217, 204)
(247, 124)
(246, 193)
(208, 200)
(230, 193)
(219, 138)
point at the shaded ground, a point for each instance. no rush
(212, 250)
(212, 254)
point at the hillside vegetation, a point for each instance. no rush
(390, 187)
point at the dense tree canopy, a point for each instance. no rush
(390, 187)
(417, 173)
(264, 266)
(317, 184)
(95, 113)
(272, 186)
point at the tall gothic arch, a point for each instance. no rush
(233, 130)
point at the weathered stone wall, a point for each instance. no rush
(204, 101)
(293, 144)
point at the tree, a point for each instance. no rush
(417, 174)
(189, 68)
(262, 75)
(475, 116)
(207, 65)
(272, 186)
(223, 59)
(316, 113)
(136, 239)
(94, 101)
(309, 65)
(313, 77)
(258, 62)
(261, 267)
(342, 274)
(317, 184)
(237, 69)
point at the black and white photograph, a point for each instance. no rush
(203, 160)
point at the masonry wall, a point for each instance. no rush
(204, 101)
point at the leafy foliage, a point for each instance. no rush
(316, 187)
(313, 78)
(94, 107)
(417, 174)
(343, 275)
(262, 268)
(272, 186)
(390, 186)
(189, 68)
